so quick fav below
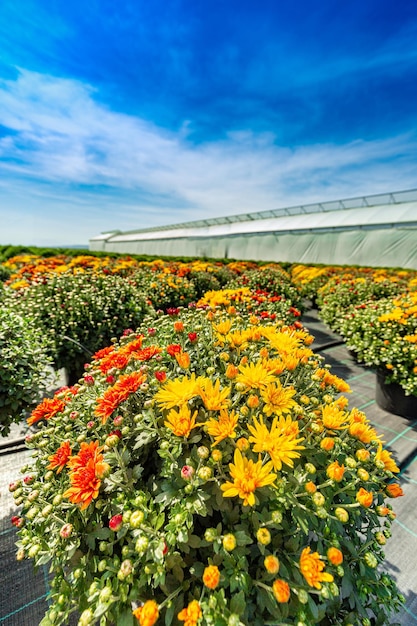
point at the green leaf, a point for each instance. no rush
(238, 603)
(126, 618)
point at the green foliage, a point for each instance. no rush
(80, 314)
(24, 368)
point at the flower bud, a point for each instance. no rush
(105, 594)
(229, 542)
(66, 531)
(203, 452)
(318, 499)
(263, 536)
(210, 535)
(271, 564)
(276, 517)
(216, 455)
(126, 568)
(371, 560)
(205, 473)
(86, 618)
(136, 519)
(20, 554)
(187, 472)
(310, 468)
(141, 545)
(341, 514)
(116, 522)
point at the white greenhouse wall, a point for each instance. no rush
(379, 231)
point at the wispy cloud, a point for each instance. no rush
(66, 156)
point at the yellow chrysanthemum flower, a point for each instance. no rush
(213, 397)
(254, 376)
(178, 391)
(223, 427)
(387, 460)
(333, 418)
(181, 422)
(281, 442)
(247, 477)
(278, 399)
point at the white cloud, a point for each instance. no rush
(79, 168)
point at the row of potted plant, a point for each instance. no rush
(207, 469)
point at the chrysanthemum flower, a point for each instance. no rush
(364, 497)
(147, 615)
(281, 442)
(335, 471)
(247, 477)
(48, 408)
(183, 360)
(254, 376)
(333, 418)
(312, 567)
(191, 614)
(214, 398)
(59, 459)
(223, 427)
(387, 460)
(394, 490)
(271, 564)
(362, 431)
(335, 556)
(178, 391)
(278, 399)
(118, 393)
(281, 590)
(180, 421)
(211, 576)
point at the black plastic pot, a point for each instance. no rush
(391, 398)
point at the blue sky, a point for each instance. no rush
(129, 114)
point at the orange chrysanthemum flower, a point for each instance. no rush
(223, 427)
(394, 490)
(59, 460)
(118, 393)
(48, 408)
(117, 360)
(211, 576)
(312, 567)
(85, 485)
(363, 432)
(191, 614)
(100, 354)
(272, 564)
(147, 615)
(281, 590)
(335, 471)
(364, 497)
(335, 556)
(181, 422)
(87, 469)
(183, 360)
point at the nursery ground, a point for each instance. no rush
(23, 593)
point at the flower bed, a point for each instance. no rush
(207, 470)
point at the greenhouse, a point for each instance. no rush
(377, 230)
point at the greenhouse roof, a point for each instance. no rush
(390, 210)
